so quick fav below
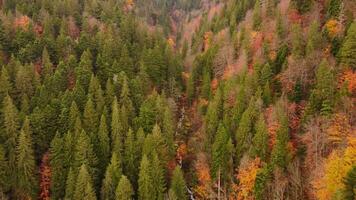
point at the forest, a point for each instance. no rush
(177, 99)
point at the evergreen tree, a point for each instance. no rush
(116, 128)
(178, 186)
(280, 153)
(266, 74)
(297, 41)
(221, 153)
(267, 94)
(260, 140)
(168, 129)
(84, 71)
(348, 50)
(302, 5)
(349, 192)
(58, 167)
(70, 184)
(257, 19)
(4, 171)
(158, 178)
(131, 157)
(5, 84)
(112, 176)
(96, 94)
(104, 144)
(124, 190)
(314, 38)
(145, 182)
(214, 113)
(11, 127)
(334, 8)
(90, 120)
(84, 154)
(25, 166)
(74, 114)
(84, 189)
(125, 98)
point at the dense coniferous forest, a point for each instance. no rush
(177, 99)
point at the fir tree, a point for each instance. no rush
(104, 144)
(221, 153)
(25, 166)
(178, 186)
(257, 19)
(11, 127)
(158, 178)
(131, 155)
(116, 128)
(111, 179)
(297, 41)
(90, 120)
(145, 183)
(348, 50)
(58, 167)
(4, 173)
(70, 184)
(124, 190)
(84, 189)
(260, 140)
(5, 84)
(84, 71)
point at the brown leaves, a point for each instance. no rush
(45, 182)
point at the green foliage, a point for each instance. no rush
(334, 7)
(302, 5)
(112, 177)
(58, 167)
(349, 192)
(178, 186)
(145, 182)
(84, 187)
(348, 50)
(257, 19)
(297, 41)
(124, 190)
(260, 140)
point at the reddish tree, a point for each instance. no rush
(45, 182)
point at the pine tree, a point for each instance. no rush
(348, 50)
(214, 113)
(221, 153)
(125, 98)
(266, 74)
(124, 190)
(104, 144)
(206, 87)
(257, 19)
(158, 178)
(58, 167)
(145, 183)
(47, 65)
(260, 140)
(168, 129)
(314, 38)
(125, 63)
(112, 176)
(178, 186)
(267, 94)
(84, 189)
(96, 94)
(74, 114)
(25, 166)
(11, 127)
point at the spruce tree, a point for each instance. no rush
(104, 144)
(168, 129)
(178, 186)
(112, 177)
(25, 166)
(297, 41)
(145, 183)
(131, 155)
(90, 120)
(257, 19)
(4, 171)
(70, 184)
(58, 167)
(84, 71)
(348, 50)
(314, 41)
(84, 189)
(221, 153)
(260, 140)
(124, 190)
(158, 178)
(11, 127)
(5, 84)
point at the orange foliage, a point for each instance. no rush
(207, 40)
(349, 77)
(45, 182)
(246, 176)
(214, 84)
(333, 28)
(294, 16)
(339, 129)
(171, 42)
(202, 190)
(257, 39)
(22, 22)
(181, 152)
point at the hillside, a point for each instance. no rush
(178, 99)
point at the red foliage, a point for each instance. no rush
(73, 29)
(38, 29)
(294, 16)
(349, 77)
(45, 182)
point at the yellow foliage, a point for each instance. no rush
(171, 42)
(247, 176)
(339, 129)
(336, 167)
(333, 28)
